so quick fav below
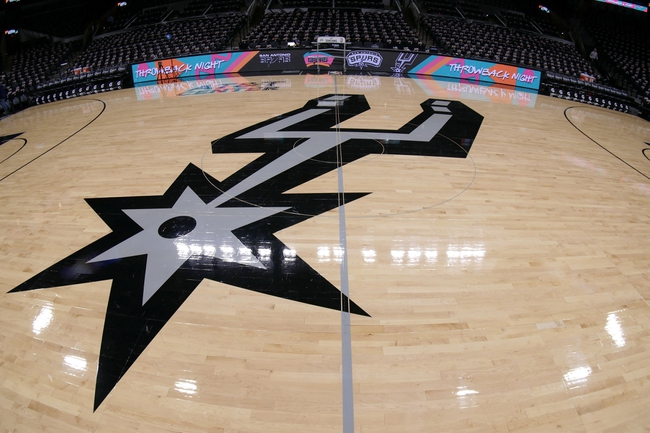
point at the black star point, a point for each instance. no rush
(130, 326)
(5, 138)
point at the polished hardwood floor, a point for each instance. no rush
(504, 291)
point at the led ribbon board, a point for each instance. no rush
(628, 5)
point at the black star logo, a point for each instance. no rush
(234, 245)
(162, 247)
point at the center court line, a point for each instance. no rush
(346, 338)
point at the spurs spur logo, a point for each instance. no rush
(161, 247)
(403, 60)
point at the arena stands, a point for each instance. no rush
(574, 89)
(472, 11)
(507, 13)
(58, 19)
(481, 40)
(517, 20)
(623, 48)
(140, 13)
(161, 41)
(440, 7)
(366, 4)
(34, 66)
(106, 59)
(360, 28)
(84, 47)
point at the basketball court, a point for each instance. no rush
(324, 253)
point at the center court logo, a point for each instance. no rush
(162, 247)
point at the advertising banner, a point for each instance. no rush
(356, 60)
(625, 4)
(318, 58)
(476, 70)
(389, 61)
(195, 67)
